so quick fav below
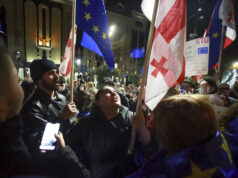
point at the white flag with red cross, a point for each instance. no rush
(226, 14)
(65, 66)
(167, 54)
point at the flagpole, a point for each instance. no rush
(220, 54)
(146, 64)
(72, 52)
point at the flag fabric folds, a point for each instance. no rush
(92, 20)
(226, 14)
(223, 14)
(215, 33)
(147, 7)
(167, 54)
(65, 66)
(216, 157)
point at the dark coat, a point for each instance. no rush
(39, 110)
(102, 145)
(14, 155)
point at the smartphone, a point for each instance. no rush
(28, 72)
(48, 141)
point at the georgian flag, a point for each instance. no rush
(167, 54)
(65, 66)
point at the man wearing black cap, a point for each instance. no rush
(46, 105)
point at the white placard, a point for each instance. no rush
(196, 56)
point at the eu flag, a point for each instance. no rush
(92, 20)
(215, 157)
(215, 33)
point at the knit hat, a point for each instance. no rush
(40, 66)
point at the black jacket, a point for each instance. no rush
(39, 110)
(102, 145)
(14, 155)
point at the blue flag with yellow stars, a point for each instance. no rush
(215, 33)
(91, 18)
(214, 158)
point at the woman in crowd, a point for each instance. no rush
(185, 127)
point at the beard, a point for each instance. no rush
(50, 85)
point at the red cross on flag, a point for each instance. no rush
(65, 66)
(167, 54)
(226, 14)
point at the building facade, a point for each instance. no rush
(40, 28)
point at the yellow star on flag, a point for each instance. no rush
(87, 16)
(104, 36)
(95, 28)
(215, 35)
(225, 147)
(198, 173)
(86, 3)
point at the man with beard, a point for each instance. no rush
(46, 105)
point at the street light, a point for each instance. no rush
(112, 30)
(78, 61)
(235, 65)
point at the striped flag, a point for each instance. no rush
(65, 66)
(167, 54)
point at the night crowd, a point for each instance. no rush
(192, 132)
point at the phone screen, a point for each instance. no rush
(48, 140)
(27, 69)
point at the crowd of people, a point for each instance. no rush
(192, 132)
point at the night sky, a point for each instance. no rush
(197, 22)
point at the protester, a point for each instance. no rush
(84, 102)
(208, 86)
(223, 92)
(90, 87)
(14, 155)
(187, 86)
(46, 105)
(28, 87)
(63, 89)
(117, 82)
(101, 141)
(192, 145)
(124, 99)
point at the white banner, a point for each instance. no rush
(196, 56)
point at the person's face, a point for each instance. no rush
(14, 95)
(109, 98)
(186, 86)
(50, 80)
(116, 79)
(224, 89)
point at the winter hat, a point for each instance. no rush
(40, 66)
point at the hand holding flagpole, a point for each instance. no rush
(146, 64)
